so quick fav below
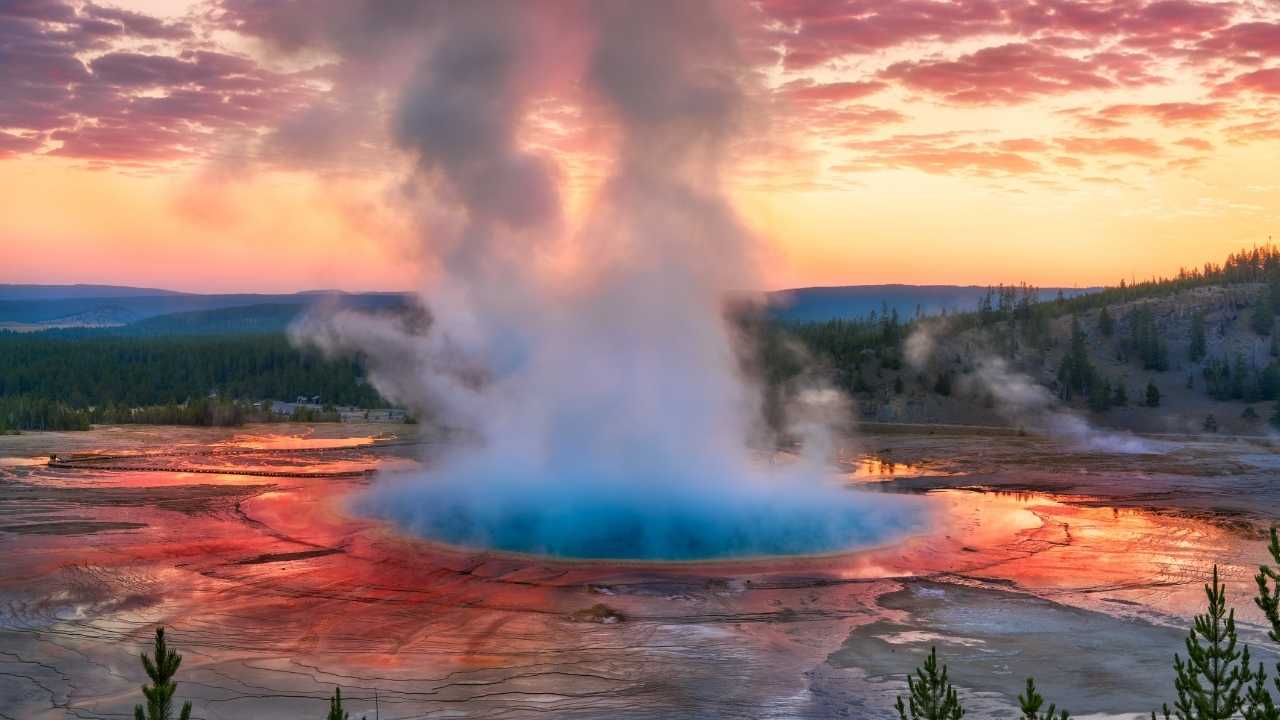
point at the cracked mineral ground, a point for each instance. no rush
(1079, 568)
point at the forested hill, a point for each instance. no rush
(1190, 353)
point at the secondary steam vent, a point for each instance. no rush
(586, 355)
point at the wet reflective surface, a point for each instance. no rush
(276, 590)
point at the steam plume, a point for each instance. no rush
(607, 406)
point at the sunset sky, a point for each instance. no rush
(233, 145)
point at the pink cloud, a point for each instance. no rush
(1195, 143)
(819, 31)
(1110, 146)
(1266, 82)
(1170, 113)
(1261, 38)
(194, 97)
(805, 90)
(1005, 74)
(942, 153)
(1022, 145)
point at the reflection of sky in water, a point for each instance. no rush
(293, 442)
(870, 467)
(22, 461)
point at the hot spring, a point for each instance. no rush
(657, 520)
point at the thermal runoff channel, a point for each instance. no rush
(591, 366)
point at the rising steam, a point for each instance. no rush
(1023, 402)
(603, 396)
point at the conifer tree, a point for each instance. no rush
(1106, 324)
(1153, 395)
(161, 669)
(1075, 372)
(1268, 579)
(1121, 396)
(1198, 348)
(1259, 704)
(1239, 378)
(1100, 396)
(1031, 702)
(1213, 682)
(335, 706)
(1263, 317)
(930, 695)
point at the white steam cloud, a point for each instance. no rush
(606, 405)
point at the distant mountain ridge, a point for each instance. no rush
(12, 291)
(149, 311)
(41, 308)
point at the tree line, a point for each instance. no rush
(65, 383)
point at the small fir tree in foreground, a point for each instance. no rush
(1268, 598)
(930, 695)
(159, 694)
(1213, 682)
(1259, 704)
(1031, 702)
(335, 706)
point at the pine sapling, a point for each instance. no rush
(1258, 704)
(1268, 598)
(161, 669)
(1031, 701)
(335, 706)
(1212, 682)
(930, 695)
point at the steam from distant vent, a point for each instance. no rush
(1023, 402)
(603, 397)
